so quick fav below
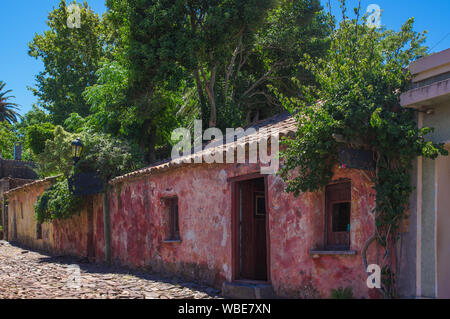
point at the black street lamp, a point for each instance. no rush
(77, 149)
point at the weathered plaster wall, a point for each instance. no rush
(60, 237)
(297, 225)
(138, 229)
(5, 185)
(204, 201)
(205, 251)
(428, 244)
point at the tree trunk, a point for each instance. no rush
(147, 141)
(203, 105)
(151, 155)
(209, 86)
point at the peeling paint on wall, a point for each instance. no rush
(138, 232)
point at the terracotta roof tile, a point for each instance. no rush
(283, 124)
(31, 185)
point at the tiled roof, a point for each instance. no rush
(283, 125)
(31, 185)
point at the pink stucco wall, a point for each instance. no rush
(205, 252)
(297, 226)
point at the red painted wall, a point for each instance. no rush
(205, 252)
(297, 226)
(139, 229)
(71, 236)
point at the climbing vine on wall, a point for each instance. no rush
(57, 203)
(357, 97)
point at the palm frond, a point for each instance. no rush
(7, 109)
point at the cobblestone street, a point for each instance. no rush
(27, 274)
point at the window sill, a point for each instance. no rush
(172, 241)
(315, 253)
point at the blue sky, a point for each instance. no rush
(21, 19)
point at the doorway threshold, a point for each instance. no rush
(248, 289)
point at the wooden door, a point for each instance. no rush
(253, 230)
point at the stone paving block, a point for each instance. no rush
(26, 274)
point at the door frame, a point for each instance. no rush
(326, 218)
(235, 238)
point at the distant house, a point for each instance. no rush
(13, 174)
(426, 268)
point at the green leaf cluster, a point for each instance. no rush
(342, 293)
(103, 155)
(108, 157)
(57, 203)
(7, 138)
(37, 135)
(70, 56)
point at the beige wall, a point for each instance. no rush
(21, 220)
(443, 226)
(70, 236)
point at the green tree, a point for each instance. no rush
(231, 52)
(216, 59)
(7, 138)
(103, 155)
(8, 109)
(272, 59)
(107, 98)
(36, 135)
(71, 57)
(57, 156)
(113, 114)
(37, 115)
(357, 101)
(107, 156)
(38, 124)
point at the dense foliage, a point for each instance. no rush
(71, 57)
(57, 203)
(37, 135)
(103, 155)
(7, 138)
(358, 99)
(147, 67)
(220, 59)
(107, 157)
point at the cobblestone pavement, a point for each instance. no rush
(26, 274)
